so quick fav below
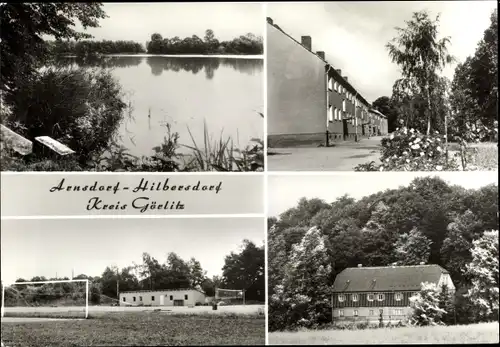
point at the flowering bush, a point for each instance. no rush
(425, 305)
(409, 150)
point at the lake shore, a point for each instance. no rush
(181, 56)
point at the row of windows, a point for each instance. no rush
(370, 297)
(334, 85)
(153, 298)
(395, 312)
(336, 114)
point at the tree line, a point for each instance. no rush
(428, 221)
(242, 270)
(422, 98)
(245, 44)
(84, 48)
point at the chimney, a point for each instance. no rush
(339, 72)
(307, 42)
(321, 54)
(346, 79)
(270, 20)
(360, 265)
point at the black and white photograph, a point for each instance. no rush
(399, 258)
(133, 282)
(157, 87)
(382, 86)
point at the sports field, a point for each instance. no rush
(229, 325)
(458, 334)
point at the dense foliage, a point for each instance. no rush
(22, 27)
(245, 44)
(83, 48)
(429, 220)
(242, 270)
(474, 92)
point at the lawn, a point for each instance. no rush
(476, 333)
(139, 328)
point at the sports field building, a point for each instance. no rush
(167, 297)
(366, 293)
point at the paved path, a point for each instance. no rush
(341, 157)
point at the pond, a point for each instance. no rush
(226, 94)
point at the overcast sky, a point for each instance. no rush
(353, 34)
(138, 21)
(284, 191)
(45, 247)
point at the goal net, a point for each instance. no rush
(230, 296)
(50, 299)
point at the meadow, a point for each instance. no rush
(458, 334)
(138, 328)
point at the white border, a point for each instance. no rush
(111, 216)
(265, 205)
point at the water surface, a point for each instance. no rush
(226, 93)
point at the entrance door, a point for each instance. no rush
(162, 300)
(178, 302)
(345, 129)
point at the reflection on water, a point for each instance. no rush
(227, 93)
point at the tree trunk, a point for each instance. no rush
(429, 110)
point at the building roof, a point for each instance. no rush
(388, 278)
(161, 290)
(372, 110)
(333, 71)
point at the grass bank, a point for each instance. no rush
(139, 329)
(458, 334)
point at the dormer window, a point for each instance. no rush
(354, 297)
(398, 296)
(380, 297)
(341, 298)
(370, 297)
(330, 83)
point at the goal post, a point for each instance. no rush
(50, 299)
(234, 296)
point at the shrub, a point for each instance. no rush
(80, 108)
(409, 150)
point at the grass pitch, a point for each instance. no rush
(139, 329)
(458, 334)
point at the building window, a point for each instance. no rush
(171, 297)
(133, 298)
(330, 113)
(185, 297)
(371, 297)
(380, 297)
(398, 296)
(152, 298)
(372, 313)
(355, 313)
(398, 312)
(341, 313)
(140, 298)
(343, 106)
(354, 297)
(341, 298)
(336, 86)
(123, 299)
(330, 83)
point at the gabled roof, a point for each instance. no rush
(387, 278)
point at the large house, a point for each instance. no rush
(309, 100)
(364, 293)
(167, 297)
